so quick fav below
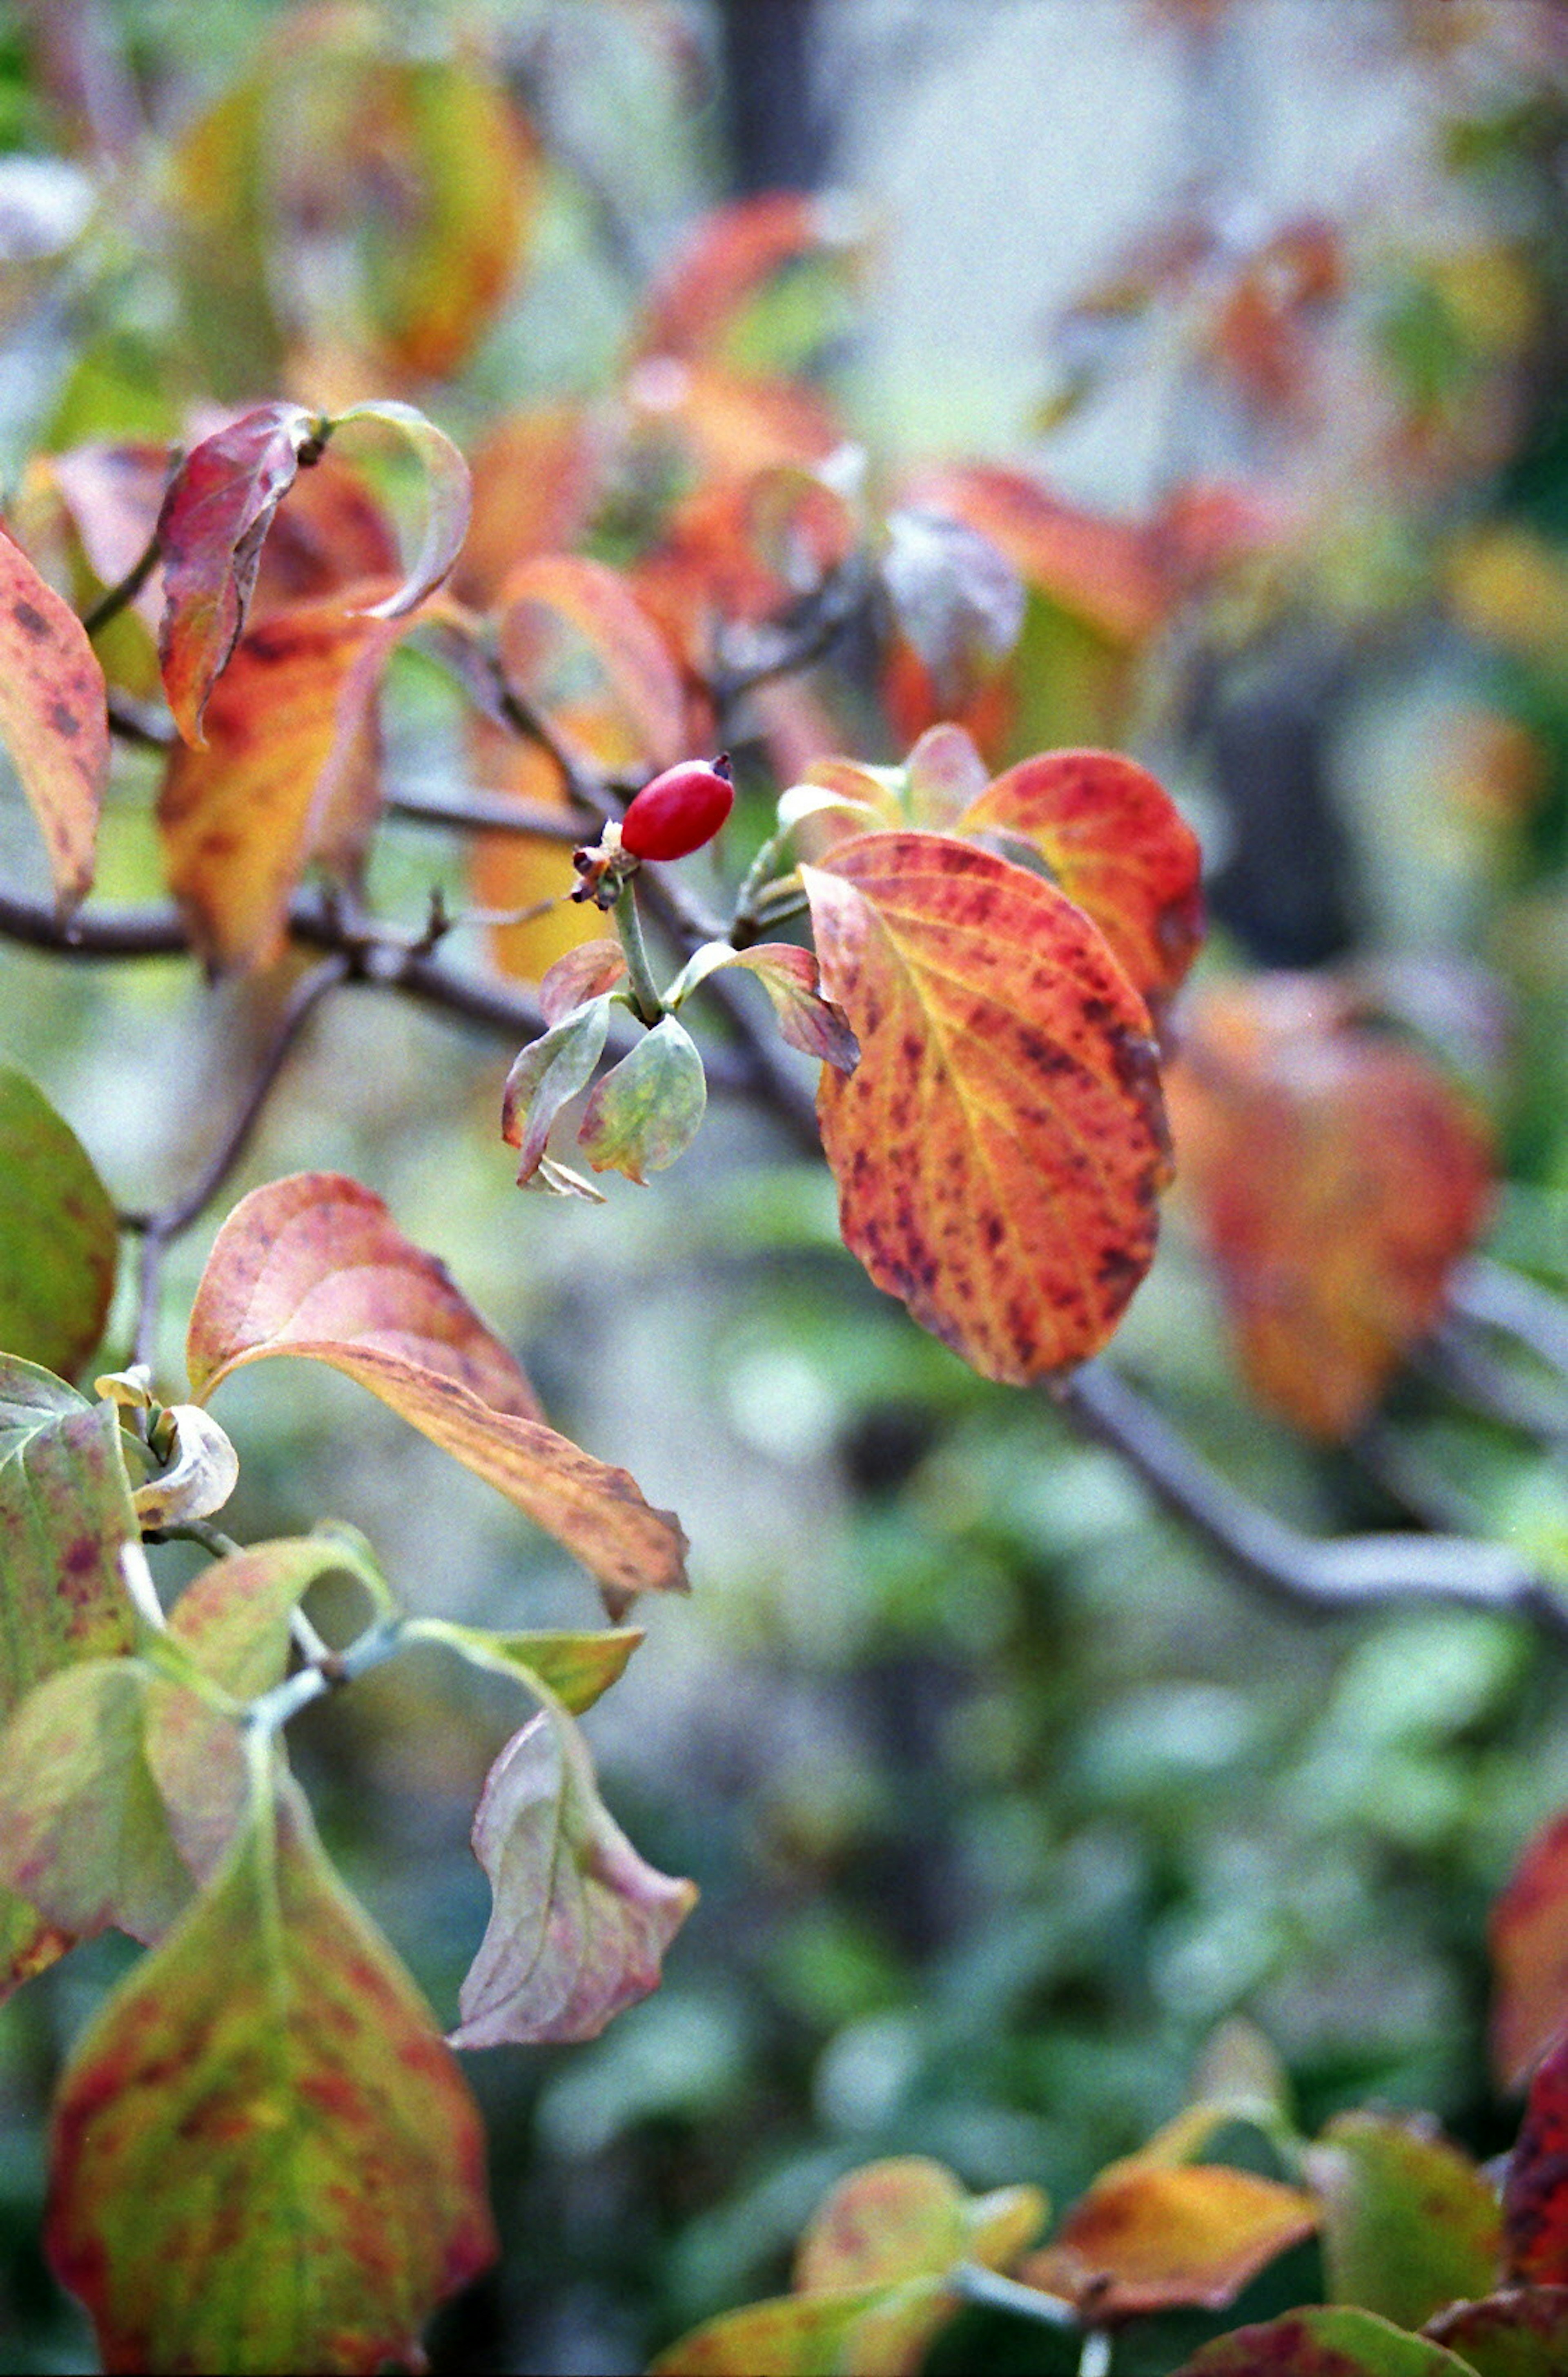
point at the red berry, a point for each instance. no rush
(680, 810)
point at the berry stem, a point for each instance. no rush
(629, 925)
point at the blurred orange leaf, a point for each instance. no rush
(1529, 1938)
(1115, 842)
(535, 478)
(999, 1146)
(728, 257)
(287, 774)
(1104, 571)
(1335, 1177)
(315, 1265)
(642, 707)
(53, 719)
(908, 2217)
(1148, 2237)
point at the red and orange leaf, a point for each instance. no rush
(1324, 2344)
(793, 2336)
(1115, 842)
(288, 774)
(790, 976)
(1409, 2223)
(583, 974)
(999, 1147)
(1521, 2332)
(315, 1266)
(1105, 571)
(1529, 1938)
(580, 1922)
(332, 533)
(1534, 2193)
(268, 2075)
(214, 516)
(725, 260)
(1151, 2238)
(1337, 1178)
(908, 2217)
(53, 719)
(944, 773)
(597, 608)
(536, 476)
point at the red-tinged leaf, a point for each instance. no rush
(577, 1668)
(583, 974)
(909, 2218)
(545, 1076)
(1409, 2223)
(65, 1513)
(536, 475)
(84, 1835)
(794, 2336)
(315, 1265)
(726, 259)
(263, 2158)
(1324, 2344)
(1115, 842)
(113, 495)
(944, 773)
(1104, 571)
(1529, 1956)
(599, 614)
(449, 495)
(789, 975)
(1150, 2237)
(218, 508)
(59, 1238)
(999, 1146)
(759, 529)
(288, 774)
(53, 719)
(235, 1622)
(1534, 2193)
(1337, 1178)
(955, 596)
(646, 1111)
(331, 534)
(1523, 2332)
(580, 1922)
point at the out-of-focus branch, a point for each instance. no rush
(755, 656)
(1303, 1572)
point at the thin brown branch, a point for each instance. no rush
(756, 655)
(1301, 1571)
(489, 813)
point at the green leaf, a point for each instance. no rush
(59, 1241)
(544, 1075)
(575, 1667)
(263, 2157)
(1324, 2344)
(580, 1921)
(648, 1109)
(1409, 2223)
(449, 491)
(794, 2336)
(84, 1835)
(65, 1513)
(1522, 2332)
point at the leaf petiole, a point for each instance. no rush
(646, 1000)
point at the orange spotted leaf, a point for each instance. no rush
(268, 2073)
(1151, 2238)
(1117, 845)
(53, 719)
(999, 1146)
(315, 1265)
(1529, 1956)
(216, 512)
(1336, 1177)
(1534, 2193)
(599, 617)
(288, 774)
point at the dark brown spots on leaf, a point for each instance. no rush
(29, 619)
(64, 721)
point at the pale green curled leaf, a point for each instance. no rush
(873, 2278)
(573, 1668)
(65, 1513)
(807, 1020)
(59, 1240)
(234, 1623)
(649, 1108)
(84, 1833)
(580, 1922)
(544, 1075)
(1330, 2343)
(199, 1471)
(449, 499)
(263, 2158)
(1409, 2223)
